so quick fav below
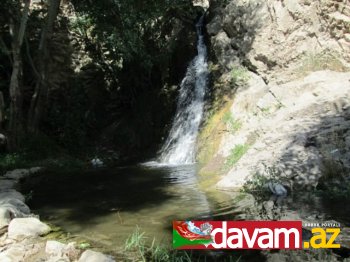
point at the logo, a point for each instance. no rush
(249, 235)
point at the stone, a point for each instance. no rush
(17, 174)
(54, 248)
(5, 258)
(27, 227)
(9, 195)
(16, 206)
(6, 184)
(277, 189)
(21, 173)
(92, 256)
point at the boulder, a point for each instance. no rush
(21, 173)
(92, 256)
(277, 189)
(55, 248)
(16, 206)
(6, 184)
(5, 196)
(5, 217)
(27, 227)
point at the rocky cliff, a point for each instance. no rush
(281, 92)
(276, 39)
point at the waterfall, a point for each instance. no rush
(179, 147)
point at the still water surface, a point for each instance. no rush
(106, 205)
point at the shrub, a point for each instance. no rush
(239, 76)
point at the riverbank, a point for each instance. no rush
(22, 234)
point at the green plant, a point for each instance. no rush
(236, 153)
(239, 75)
(320, 61)
(12, 161)
(257, 184)
(136, 240)
(232, 123)
(136, 247)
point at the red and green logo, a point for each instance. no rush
(187, 234)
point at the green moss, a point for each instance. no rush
(211, 134)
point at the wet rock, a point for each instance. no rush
(16, 207)
(92, 256)
(277, 189)
(96, 162)
(9, 195)
(27, 227)
(20, 173)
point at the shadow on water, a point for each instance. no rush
(108, 204)
(98, 192)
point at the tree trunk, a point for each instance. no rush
(39, 98)
(16, 96)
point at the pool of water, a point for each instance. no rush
(106, 205)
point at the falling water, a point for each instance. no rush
(179, 147)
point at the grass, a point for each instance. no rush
(320, 61)
(236, 154)
(136, 248)
(233, 124)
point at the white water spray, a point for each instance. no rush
(179, 148)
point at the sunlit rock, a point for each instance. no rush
(92, 256)
(27, 227)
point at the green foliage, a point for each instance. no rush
(236, 153)
(12, 161)
(239, 76)
(257, 184)
(232, 123)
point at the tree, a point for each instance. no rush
(15, 90)
(39, 98)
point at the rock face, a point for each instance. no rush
(289, 117)
(291, 130)
(274, 37)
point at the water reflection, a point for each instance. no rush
(107, 205)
